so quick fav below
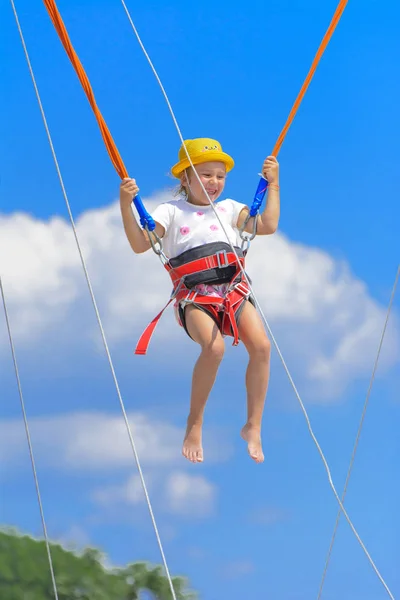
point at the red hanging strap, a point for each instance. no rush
(144, 340)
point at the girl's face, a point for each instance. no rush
(212, 176)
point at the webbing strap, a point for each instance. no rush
(144, 340)
(230, 315)
(229, 303)
(203, 264)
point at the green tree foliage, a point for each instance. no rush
(25, 574)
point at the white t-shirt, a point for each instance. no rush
(190, 225)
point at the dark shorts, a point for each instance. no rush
(216, 316)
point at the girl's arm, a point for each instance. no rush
(137, 237)
(267, 221)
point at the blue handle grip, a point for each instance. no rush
(259, 196)
(146, 220)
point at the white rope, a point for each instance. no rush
(258, 306)
(353, 456)
(28, 437)
(95, 305)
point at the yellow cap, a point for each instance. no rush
(201, 150)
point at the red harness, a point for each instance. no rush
(218, 266)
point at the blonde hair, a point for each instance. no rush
(181, 190)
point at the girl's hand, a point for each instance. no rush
(270, 169)
(127, 191)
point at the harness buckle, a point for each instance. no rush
(220, 255)
(242, 289)
(191, 296)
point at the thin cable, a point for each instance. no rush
(95, 305)
(353, 456)
(28, 437)
(322, 47)
(68, 46)
(259, 308)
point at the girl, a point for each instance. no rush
(188, 223)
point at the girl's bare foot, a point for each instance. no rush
(252, 435)
(192, 448)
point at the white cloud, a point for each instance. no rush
(90, 441)
(329, 325)
(177, 493)
(196, 553)
(325, 321)
(95, 442)
(238, 568)
(268, 515)
(38, 269)
(75, 538)
(98, 443)
(190, 495)
(130, 492)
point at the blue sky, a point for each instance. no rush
(235, 529)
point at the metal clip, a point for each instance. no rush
(245, 237)
(242, 289)
(156, 244)
(223, 255)
(191, 296)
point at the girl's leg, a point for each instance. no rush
(254, 337)
(205, 332)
